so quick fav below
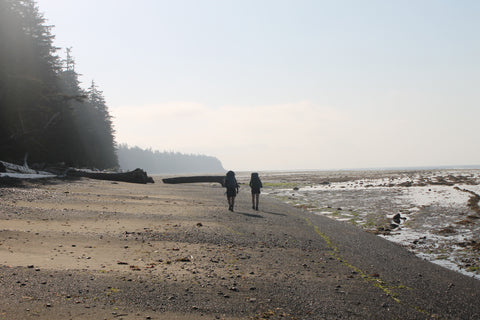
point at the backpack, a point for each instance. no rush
(255, 181)
(230, 181)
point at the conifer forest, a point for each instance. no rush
(46, 117)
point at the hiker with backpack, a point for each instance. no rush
(255, 185)
(232, 189)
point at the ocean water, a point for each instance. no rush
(436, 218)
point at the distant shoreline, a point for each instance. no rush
(413, 168)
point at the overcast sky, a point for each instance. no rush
(271, 84)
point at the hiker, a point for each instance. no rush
(232, 189)
(255, 185)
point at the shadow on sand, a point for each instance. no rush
(249, 214)
(275, 213)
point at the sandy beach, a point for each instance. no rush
(83, 248)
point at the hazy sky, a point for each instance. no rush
(271, 84)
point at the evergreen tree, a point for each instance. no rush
(104, 143)
(73, 119)
(43, 110)
(28, 67)
(94, 139)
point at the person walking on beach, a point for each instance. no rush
(255, 185)
(232, 189)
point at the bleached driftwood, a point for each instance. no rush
(10, 170)
(15, 168)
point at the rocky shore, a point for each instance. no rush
(83, 248)
(432, 213)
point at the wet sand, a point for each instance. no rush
(433, 213)
(96, 249)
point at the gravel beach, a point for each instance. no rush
(88, 249)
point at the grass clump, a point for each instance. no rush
(281, 185)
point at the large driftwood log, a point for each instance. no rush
(23, 172)
(135, 176)
(15, 168)
(196, 179)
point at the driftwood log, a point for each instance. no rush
(15, 168)
(196, 179)
(135, 176)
